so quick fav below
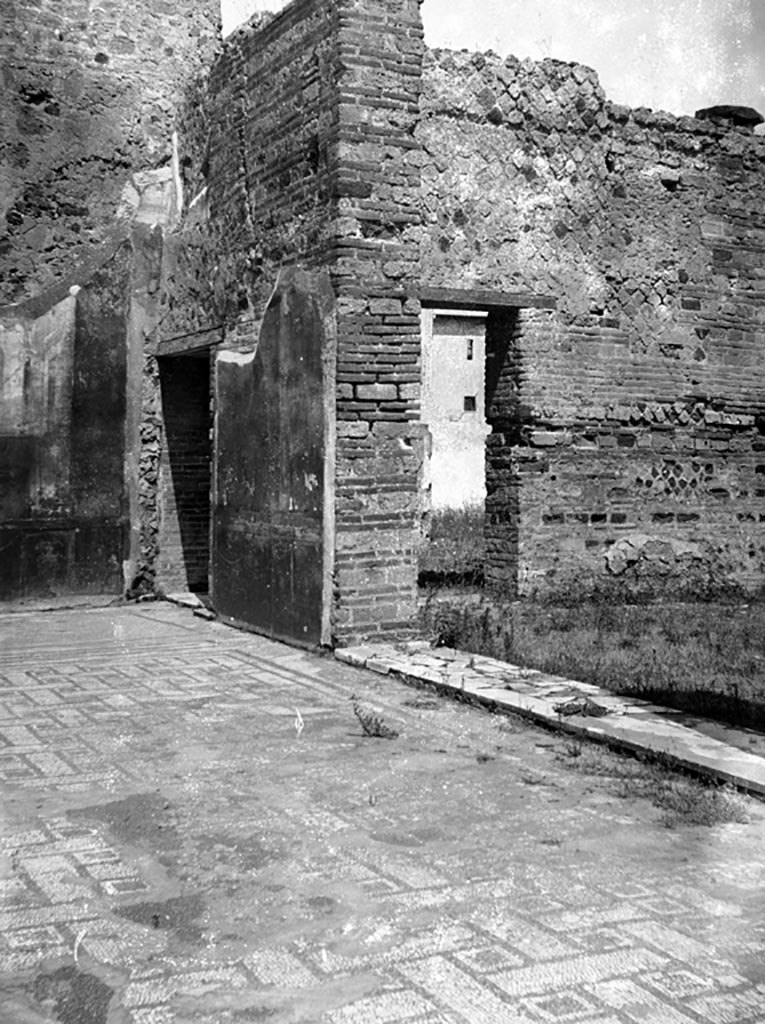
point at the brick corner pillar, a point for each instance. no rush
(376, 278)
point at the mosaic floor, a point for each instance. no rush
(195, 828)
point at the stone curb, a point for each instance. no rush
(629, 724)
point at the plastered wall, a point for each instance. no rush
(91, 97)
(64, 525)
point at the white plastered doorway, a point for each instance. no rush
(453, 406)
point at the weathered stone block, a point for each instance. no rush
(376, 392)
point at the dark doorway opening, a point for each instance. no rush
(185, 473)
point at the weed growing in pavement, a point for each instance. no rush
(424, 703)
(685, 802)
(573, 748)
(371, 723)
(681, 799)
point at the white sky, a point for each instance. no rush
(675, 55)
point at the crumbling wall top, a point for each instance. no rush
(553, 95)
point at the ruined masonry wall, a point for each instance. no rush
(259, 159)
(90, 94)
(636, 442)
(312, 160)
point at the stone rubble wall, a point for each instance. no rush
(634, 424)
(90, 94)
(144, 578)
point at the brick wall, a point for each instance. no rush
(376, 272)
(504, 415)
(260, 148)
(90, 94)
(312, 160)
(634, 439)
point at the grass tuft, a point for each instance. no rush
(703, 659)
(454, 551)
(683, 800)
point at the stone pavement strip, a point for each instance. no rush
(718, 751)
(196, 829)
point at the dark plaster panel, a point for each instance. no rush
(18, 455)
(63, 514)
(98, 394)
(268, 514)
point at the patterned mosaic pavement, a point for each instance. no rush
(196, 829)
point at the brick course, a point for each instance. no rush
(376, 271)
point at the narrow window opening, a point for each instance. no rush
(469, 348)
(469, 403)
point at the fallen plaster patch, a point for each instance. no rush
(237, 358)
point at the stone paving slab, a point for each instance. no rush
(194, 829)
(628, 723)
